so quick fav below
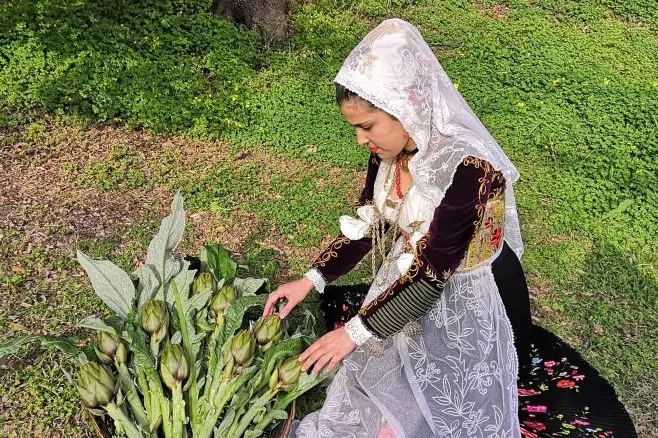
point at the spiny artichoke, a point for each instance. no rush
(155, 321)
(154, 316)
(286, 374)
(96, 384)
(268, 331)
(222, 301)
(173, 365)
(203, 282)
(110, 347)
(239, 353)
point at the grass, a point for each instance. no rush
(107, 108)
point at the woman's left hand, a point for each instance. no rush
(329, 349)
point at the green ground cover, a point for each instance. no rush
(106, 108)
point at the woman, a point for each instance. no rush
(432, 351)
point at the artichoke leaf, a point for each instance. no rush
(70, 350)
(91, 322)
(159, 254)
(235, 313)
(110, 283)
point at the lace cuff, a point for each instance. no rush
(317, 279)
(358, 332)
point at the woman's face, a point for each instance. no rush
(376, 129)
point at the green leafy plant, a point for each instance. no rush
(178, 359)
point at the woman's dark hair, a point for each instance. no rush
(344, 95)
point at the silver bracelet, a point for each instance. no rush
(317, 279)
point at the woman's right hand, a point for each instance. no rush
(295, 292)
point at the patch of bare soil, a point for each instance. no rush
(48, 201)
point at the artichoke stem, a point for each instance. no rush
(193, 392)
(224, 392)
(131, 394)
(215, 364)
(155, 346)
(120, 417)
(267, 419)
(234, 423)
(166, 419)
(228, 371)
(159, 403)
(178, 420)
(143, 387)
(252, 412)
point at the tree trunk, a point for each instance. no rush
(268, 17)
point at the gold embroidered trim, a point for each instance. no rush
(432, 275)
(387, 293)
(414, 269)
(478, 163)
(415, 225)
(496, 192)
(390, 203)
(330, 252)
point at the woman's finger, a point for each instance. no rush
(317, 354)
(310, 350)
(305, 355)
(321, 362)
(271, 302)
(334, 361)
(268, 304)
(287, 308)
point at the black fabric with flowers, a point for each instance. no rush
(561, 395)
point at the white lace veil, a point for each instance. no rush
(395, 70)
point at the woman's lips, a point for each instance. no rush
(374, 150)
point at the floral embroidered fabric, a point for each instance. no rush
(488, 238)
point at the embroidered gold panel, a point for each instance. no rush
(488, 238)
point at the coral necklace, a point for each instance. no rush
(401, 163)
(398, 178)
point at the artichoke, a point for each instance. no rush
(155, 321)
(239, 353)
(96, 385)
(203, 282)
(222, 301)
(110, 348)
(173, 365)
(154, 316)
(268, 331)
(286, 375)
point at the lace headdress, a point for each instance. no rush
(395, 70)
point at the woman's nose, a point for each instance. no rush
(361, 137)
